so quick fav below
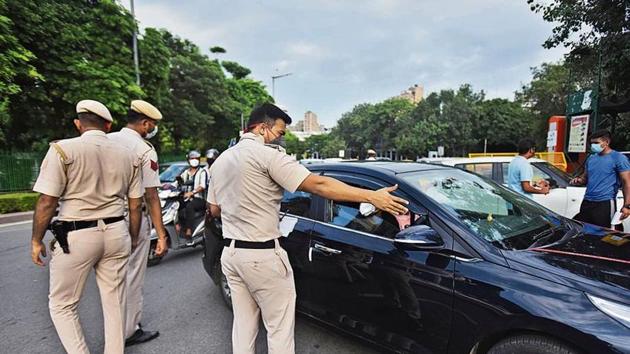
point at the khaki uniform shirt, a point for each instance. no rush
(93, 179)
(145, 152)
(247, 182)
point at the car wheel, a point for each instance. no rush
(153, 258)
(226, 293)
(531, 344)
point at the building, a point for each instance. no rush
(311, 123)
(414, 94)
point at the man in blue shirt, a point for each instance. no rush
(520, 172)
(606, 170)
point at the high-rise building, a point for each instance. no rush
(311, 124)
(414, 94)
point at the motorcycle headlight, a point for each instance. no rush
(613, 309)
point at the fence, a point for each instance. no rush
(18, 171)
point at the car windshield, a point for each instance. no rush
(505, 218)
(172, 172)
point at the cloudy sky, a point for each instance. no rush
(345, 52)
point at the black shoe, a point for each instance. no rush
(141, 336)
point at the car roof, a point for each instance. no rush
(462, 160)
(386, 167)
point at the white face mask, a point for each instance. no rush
(152, 133)
(193, 162)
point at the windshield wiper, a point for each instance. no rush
(544, 235)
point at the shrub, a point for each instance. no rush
(15, 202)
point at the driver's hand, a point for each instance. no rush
(625, 213)
(383, 200)
(577, 181)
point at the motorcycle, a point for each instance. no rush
(173, 204)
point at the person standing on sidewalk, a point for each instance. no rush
(89, 177)
(246, 186)
(606, 171)
(142, 121)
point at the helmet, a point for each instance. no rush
(193, 154)
(212, 154)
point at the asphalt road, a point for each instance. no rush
(180, 301)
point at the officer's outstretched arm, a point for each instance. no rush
(333, 189)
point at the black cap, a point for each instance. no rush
(267, 110)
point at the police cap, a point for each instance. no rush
(95, 107)
(144, 107)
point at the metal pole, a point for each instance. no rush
(273, 84)
(136, 62)
(242, 123)
(599, 87)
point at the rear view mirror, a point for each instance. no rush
(419, 237)
(367, 209)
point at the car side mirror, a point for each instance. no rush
(552, 183)
(367, 209)
(419, 237)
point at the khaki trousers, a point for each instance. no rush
(106, 249)
(261, 281)
(136, 270)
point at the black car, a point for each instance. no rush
(476, 268)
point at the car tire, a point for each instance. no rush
(226, 293)
(153, 259)
(531, 344)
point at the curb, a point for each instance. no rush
(16, 217)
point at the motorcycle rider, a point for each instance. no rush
(197, 178)
(211, 156)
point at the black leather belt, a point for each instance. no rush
(250, 244)
(79, 225)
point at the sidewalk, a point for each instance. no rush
(16, 217)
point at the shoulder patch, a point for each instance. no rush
(154, 165)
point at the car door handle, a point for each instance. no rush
(326, 249)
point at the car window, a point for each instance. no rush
(348, 215)
(538, 173)
(483, 169)
(298, 203)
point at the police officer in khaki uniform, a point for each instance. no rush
(142, 120)
(89, 177)
(246, 186)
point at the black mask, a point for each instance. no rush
(279, 141)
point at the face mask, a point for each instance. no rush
(152, 133)
(596, 148)
(193, 162)
(279, 141)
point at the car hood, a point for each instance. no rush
(595, 260)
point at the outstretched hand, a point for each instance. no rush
(383, 199)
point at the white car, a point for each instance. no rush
(563, 198)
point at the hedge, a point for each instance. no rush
(15, 202)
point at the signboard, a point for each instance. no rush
(578, 134)
(342, 153)
(440, 151)
(580, 102)
(552, 139)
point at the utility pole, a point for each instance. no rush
(273, 83)
(135, 46)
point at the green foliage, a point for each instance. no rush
(238, 71)
(217, 50)
(17, 202)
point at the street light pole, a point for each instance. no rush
(136, 62)
(273, 84)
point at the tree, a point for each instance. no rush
(294, 145)
(503, 123)
(217, 50)
(237, 70)
(81, 50)
(590, 28)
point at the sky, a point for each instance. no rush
(341, 53)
